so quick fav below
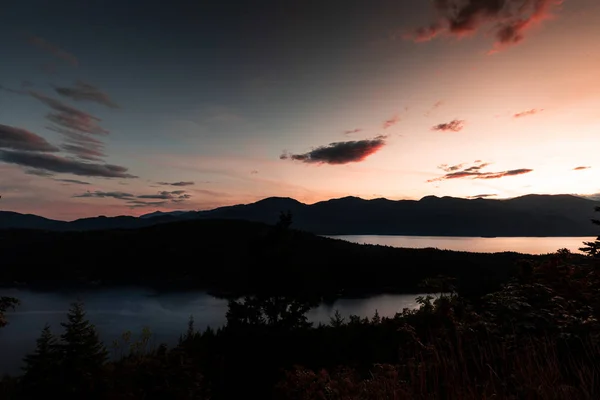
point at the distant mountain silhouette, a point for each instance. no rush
(161, 214)
(531, 215)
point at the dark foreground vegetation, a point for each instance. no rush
(537, 336)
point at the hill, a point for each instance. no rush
(531, 215)
(233, 256)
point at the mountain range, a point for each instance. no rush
(530, 215)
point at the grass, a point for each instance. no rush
(531, 369)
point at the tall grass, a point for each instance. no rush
(478, 370)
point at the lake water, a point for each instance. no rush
(527, 245)
(115, 311)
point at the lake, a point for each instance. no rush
(115, 311)
(528, 245)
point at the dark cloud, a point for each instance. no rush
(102, 195)
(581, 168)
(509, 19)
(139, 201)
(69, 117)
(482, 196)
(75, 126)
(53, 163)
(55, 50)
(76, 137)
(456, 125)
(391, 122)
(339, 152)
(83, 91)
(74, 181)
(474, 172)
(176, 183)
(83, 152)
(351, 131)
(39, 172)
(253, 172)
(527, 113)
(476, 167)
(13, 138)
(450, 168)
(165, 195)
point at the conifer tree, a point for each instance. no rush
(45, 356)
(81, 347)
(41, 365)
(593, 248)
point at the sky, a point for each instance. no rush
(127, 107)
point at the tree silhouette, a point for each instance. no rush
(285, 220)
(593, 248)
(83, 354)
(41, 365)
(6, 303)
(281, 312)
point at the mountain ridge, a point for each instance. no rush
(528, 215)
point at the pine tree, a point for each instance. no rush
(82, 353)
(41, 365)
(593, 248)
(45, 355)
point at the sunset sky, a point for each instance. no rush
(126, 107)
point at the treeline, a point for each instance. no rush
(237, 257)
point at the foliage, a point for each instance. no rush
(6, 303)
(40, 369)
(592, 249)
(282, 312)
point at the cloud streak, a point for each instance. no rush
(12, 138)
(74, 181)
(391, 122)
(339, 152)
(351, 131)
(183, 183)
(53, 49)
(435, 106)
(474, 172)
(83, 91)
(509, 19)
(581, 168)
(456, 125)
(103, 195)
(69, 117)
(83, 152)
(58, 164)
(140, 201)
(527, 113)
